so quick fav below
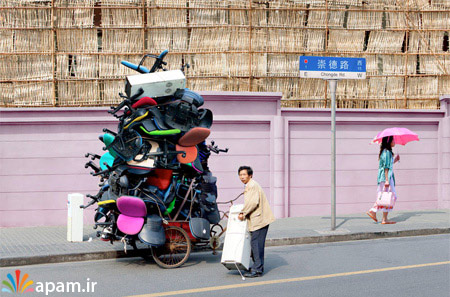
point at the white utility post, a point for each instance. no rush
(332, 69)
(74, 217)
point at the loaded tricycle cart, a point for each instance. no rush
(180, 240)
(156, 188)
(170, 240)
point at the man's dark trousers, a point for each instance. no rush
(258, 241)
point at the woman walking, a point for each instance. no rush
(386, 178)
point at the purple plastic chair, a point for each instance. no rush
(132, 213)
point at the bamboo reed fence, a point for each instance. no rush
(319, 19)
(346, 41)
(110, 92)
(72, 13)
(109, 66)
(444, 84)
(315, 41)
(79, 93)
(27, 94)
(365, 20)
(122, 41)
(372, 64)
(68, 52)
(175, 40)
(385, 41)
(76, 40)
(33, 40)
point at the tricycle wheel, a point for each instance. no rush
(175, 251)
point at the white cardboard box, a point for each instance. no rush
(237, 245)
(156, 84)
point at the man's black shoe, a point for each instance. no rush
(252, 274)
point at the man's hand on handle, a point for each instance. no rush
(241, 216)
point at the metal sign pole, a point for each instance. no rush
(332, 69)
(333, 84)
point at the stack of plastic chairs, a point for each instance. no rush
(158, 154)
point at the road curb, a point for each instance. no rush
(74, 257)
(103, 255)
(354, 236)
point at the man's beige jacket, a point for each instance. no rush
(256, 207)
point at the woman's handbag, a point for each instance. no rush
(386, 199)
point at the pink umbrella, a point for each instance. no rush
(401, 135)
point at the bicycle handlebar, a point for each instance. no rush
(141, 69)
(159, 61)
(128, 101)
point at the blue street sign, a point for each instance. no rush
(332, 67)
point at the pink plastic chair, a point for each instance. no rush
(132, 213)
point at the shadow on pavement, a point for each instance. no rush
(406, 216)
(398, 218)
(346, 219)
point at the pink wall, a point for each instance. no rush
(444, 155)
(42, 156)
(357, 161)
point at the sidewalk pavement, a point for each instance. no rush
(38, 245)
